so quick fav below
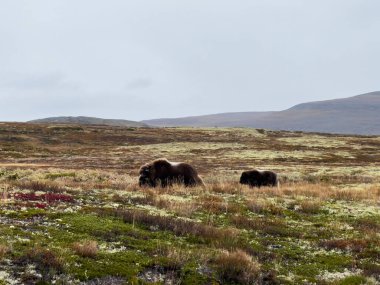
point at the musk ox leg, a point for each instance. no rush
(153, 183)
(189, 182)
(254, 183)
(193, 181)
(164, 183)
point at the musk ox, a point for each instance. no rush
(162, 172)
(258, 178)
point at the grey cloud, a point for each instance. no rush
(139, 59)
(46, 81)
(140, 83)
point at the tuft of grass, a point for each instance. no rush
(176, 258)
(237, 267)
(87, 248)
(310, 207)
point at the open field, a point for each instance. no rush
(72, 212)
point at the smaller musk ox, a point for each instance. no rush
(258, 178)
(162, 172)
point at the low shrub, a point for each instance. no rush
(88, 248)
(237, 267)
(355, 245)
(46, 262)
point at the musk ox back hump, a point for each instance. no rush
(258, 178)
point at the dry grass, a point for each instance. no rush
(183, 209)
(152, 197)
(264, 207)
(4, 194)
(237, 267)
(41, 186)
(310, 207)
(355, 245)
(176, 258)
(213, 204)
(225, 187)
(275, 227)
(149, 197)
(4, 250)
(368, 194)
(321, 191)
(87, 248)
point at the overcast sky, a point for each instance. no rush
(142, 59)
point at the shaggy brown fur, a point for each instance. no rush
(257, 178)
(162, 172)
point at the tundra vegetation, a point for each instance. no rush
(72, 212)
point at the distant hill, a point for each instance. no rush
(354, 115)
(89, 121)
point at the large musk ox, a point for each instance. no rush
(258, 178)
(162, 172)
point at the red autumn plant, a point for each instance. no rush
(40, 205)
(47, 197)
(28, 204)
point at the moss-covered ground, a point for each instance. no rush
(71, 211)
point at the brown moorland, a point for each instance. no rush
(72, 212)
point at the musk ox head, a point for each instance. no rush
(147, 175)
(244, 178)
(251, 178)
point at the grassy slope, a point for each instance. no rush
(71, 210)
